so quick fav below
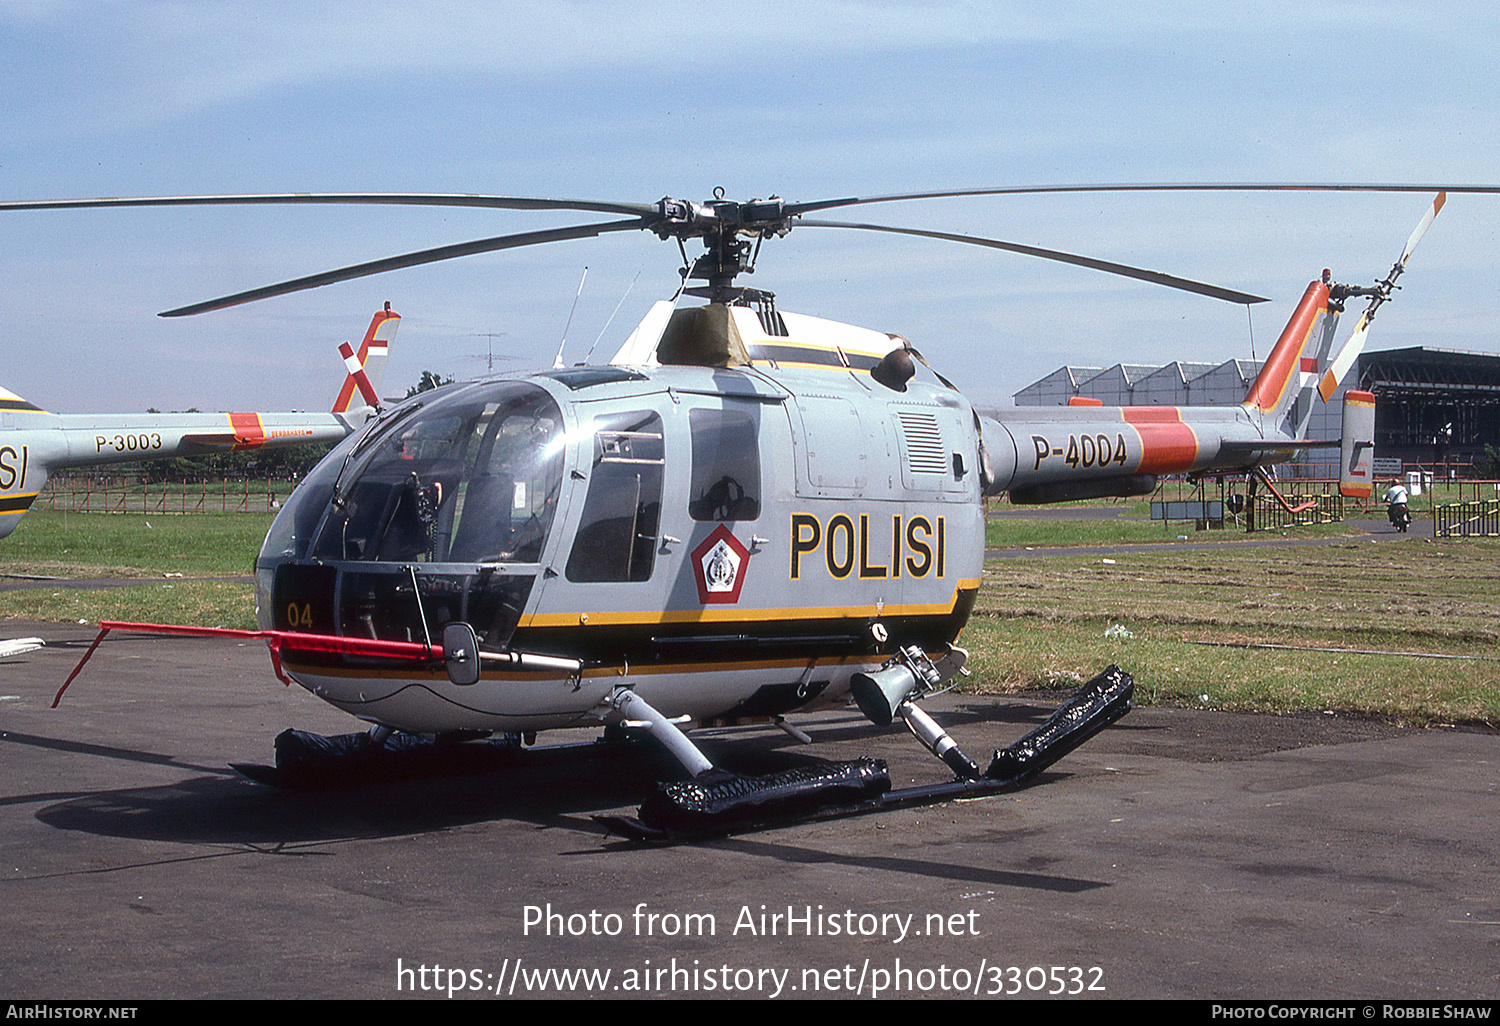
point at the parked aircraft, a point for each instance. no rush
(744, 514)
(34, 444)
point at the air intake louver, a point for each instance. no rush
(924, 442)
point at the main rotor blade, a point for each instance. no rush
(1155, 277)
(425, 256)
(793, 209)
(411, 199)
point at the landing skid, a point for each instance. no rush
(306, 761)
(633, 829)
(718, 803)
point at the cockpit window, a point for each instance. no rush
(617, 535)
(472, 477)
(726, 466)
(299, 518)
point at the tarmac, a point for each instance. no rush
(1180, 854)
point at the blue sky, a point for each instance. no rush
(633, 101)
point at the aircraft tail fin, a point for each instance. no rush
(368, 363)
(1357, 446)
(1282, 392)
(358, 376)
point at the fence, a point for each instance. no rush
(99, 493)
(1310, 508)
(1479, 518)
(1214, 503)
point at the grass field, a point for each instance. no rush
(1398, 615)
(134, 544)
(1011, 532)
(155, 548)
(1415, 624)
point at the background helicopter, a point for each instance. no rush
(34, 443)
(746, 512)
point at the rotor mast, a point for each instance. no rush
(731, 232)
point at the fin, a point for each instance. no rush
(371, 357)
(1282, 392)
(1357, 446)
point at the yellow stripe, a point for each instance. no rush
(530, 676)
(798, 365)
(30, 497)
(783, 343)
(705, 615)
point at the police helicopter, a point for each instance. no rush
(745, 513)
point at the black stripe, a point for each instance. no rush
(16, 503)
(792, 354)
(647, 647)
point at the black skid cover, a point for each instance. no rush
(719, 802)
(1093, 707)
(310, 761)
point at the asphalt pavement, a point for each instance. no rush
(1180, 853)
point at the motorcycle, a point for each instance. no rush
(1399, 515)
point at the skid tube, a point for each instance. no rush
(717, 803)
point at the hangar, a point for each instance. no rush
(1434, 408)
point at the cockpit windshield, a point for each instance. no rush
(471, 477)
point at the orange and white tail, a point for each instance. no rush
(366, 368)
(1282, 392)
(1357, 445)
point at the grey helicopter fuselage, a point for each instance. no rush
(731, 519)
(727, 541)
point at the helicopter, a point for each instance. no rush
(745, 513)
(34, 444)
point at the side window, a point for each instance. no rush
(726, 466)
(617, 536)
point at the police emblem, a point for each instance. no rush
(719, 567)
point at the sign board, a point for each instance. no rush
(1188, 510)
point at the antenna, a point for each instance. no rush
(557, 361)
(611, 318)
(488, 357)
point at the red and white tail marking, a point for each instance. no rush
(1272, 389)
(371, 359)
(357, 375)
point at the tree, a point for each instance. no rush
(428, 381)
